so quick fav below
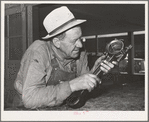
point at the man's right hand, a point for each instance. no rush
(86, 81)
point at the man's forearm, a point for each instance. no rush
(46, 96)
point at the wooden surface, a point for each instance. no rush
(119, 97)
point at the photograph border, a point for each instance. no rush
(69, 115)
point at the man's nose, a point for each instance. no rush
(79, 43)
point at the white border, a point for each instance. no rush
(70, 115)
(146, 57)
(76, 2)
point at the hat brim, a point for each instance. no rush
(66, 27)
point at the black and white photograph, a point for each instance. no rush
(74, 60)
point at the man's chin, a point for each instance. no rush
(76, 55)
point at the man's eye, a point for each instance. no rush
(79, 39)
(74, 41)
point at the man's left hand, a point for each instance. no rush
(105, 66)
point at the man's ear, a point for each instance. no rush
(56, 42)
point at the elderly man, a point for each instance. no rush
(54, 67)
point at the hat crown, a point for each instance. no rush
(57, 18)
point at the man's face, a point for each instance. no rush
(71, 44)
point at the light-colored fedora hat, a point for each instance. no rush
(58, 21)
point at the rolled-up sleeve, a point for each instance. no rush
(35, 92)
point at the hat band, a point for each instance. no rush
(61, 26)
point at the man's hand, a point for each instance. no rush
(89, 81)
(105, 66)
(86, 81)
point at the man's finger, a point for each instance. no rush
(94, 77)
(101, 58)
(106, 66)
(92, 85)
(109, 64)
(115, 63)
(104, 69)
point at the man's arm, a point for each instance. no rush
(35, 92)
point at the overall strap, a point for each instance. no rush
(54, 63)
(58, 75)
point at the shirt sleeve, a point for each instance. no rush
(35, 92)
(82, 64)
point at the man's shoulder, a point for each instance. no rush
(38, 49)
(37, 45)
